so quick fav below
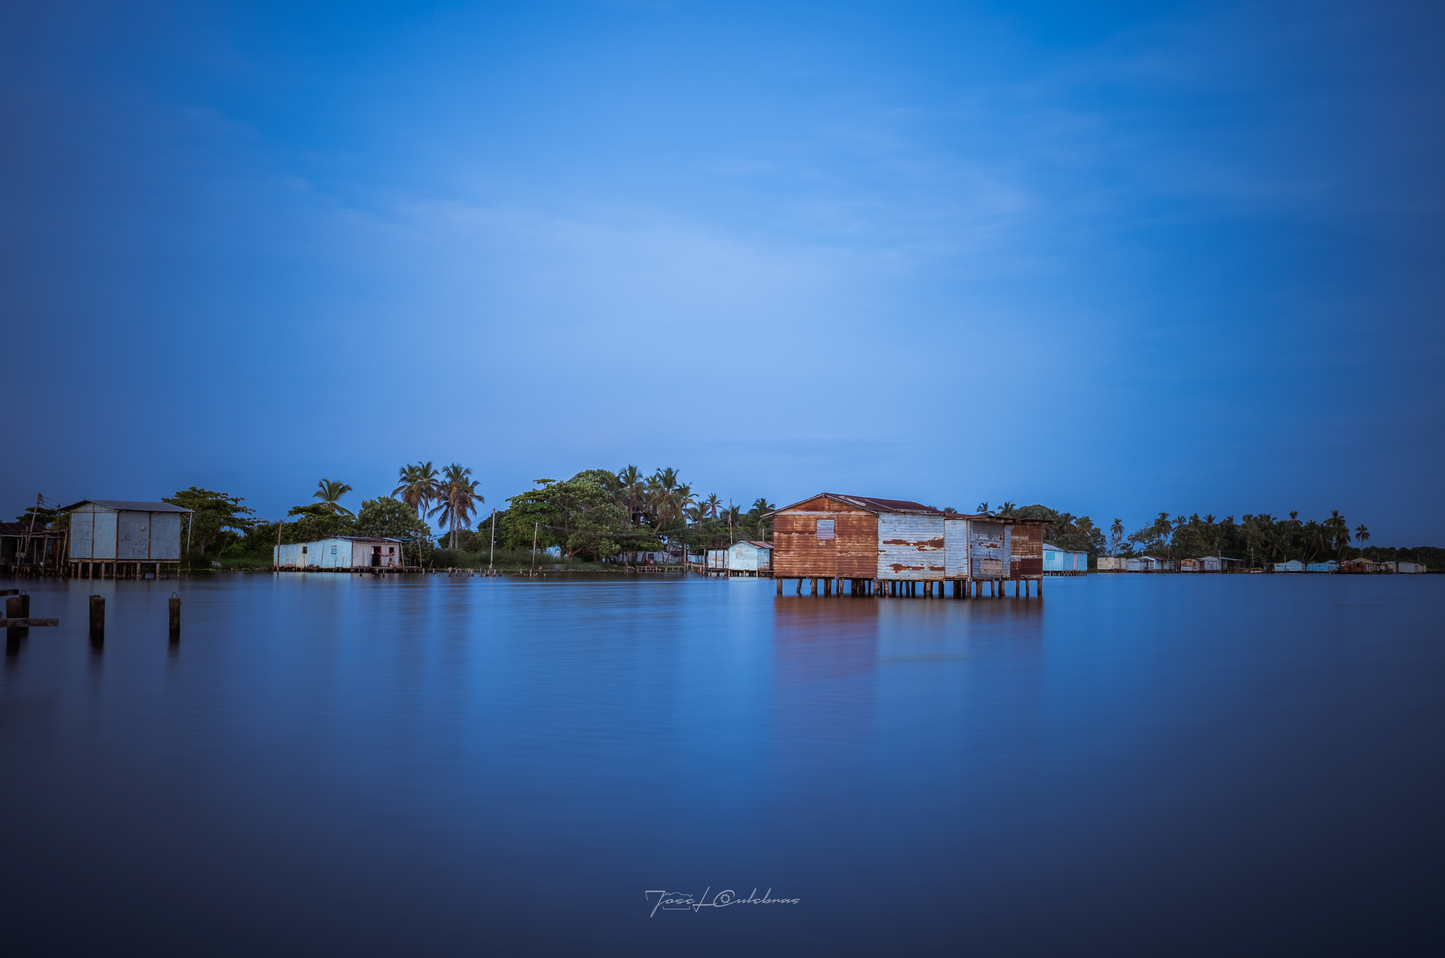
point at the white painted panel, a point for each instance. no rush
(104, 535)
(955, 548)
(165, 535)
(82, 534)
(910, 546)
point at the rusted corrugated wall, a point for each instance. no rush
(989, 548)
(805, 545)
(910, 546)
(1027, 548)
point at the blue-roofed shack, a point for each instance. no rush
(1061, 561)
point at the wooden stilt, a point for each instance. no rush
(780, 586)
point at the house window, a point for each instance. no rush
(333, 550)
(825, 529)
(303, 550)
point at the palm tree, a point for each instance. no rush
(418, 487)
(684, 499)
(632, 487)
(1116, 532)
(711, 504)
(982, 509)
(458, 498)
(1007, 509)
(1362, 534)
(1341, 531)
(329, 492)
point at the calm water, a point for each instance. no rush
(333, 764)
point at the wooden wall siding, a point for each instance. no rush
(989, 549)
(910, 546)
(1028, 549)
(852, 553)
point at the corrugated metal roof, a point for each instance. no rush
(760, 545)
(874, 504)
(127, 505)
(871, 503)
(23, 529)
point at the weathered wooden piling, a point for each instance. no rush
(97, 617)
(175, 616)
(17, 607)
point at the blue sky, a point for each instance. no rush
(1117, 258)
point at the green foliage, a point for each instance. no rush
(316, 521)
(330, 491)
(216, 519)
(391, 519)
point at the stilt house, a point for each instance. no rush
(123, 537)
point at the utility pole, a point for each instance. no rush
(276, 562)
(535, 526)
(491, 556)
(730, 521)
(25, 549)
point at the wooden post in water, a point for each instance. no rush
(17, 607)
(175, 616)
(97, 617)
(780, 586)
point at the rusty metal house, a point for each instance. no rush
(113, 538)
(889, 546)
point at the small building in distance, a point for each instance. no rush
(1328, 566)
(1113, 564)
(124, 538)
(749, 558)
(341, 554)
(1406, 568)
(27, 547)
(1293, 565)
(1057, 560)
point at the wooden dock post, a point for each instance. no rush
(1041, 587)
(97, 617)
(175, 616)
(17, 607)
(780, 586)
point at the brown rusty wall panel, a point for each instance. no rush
(798, 552)
(1028, 549)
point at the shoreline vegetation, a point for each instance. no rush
(604, 521)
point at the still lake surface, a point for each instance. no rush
(339, 764)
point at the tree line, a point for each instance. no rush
(601, 515)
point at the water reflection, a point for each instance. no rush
(441, 756)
